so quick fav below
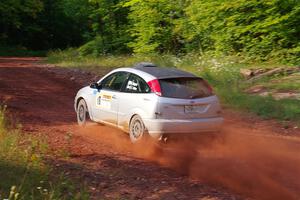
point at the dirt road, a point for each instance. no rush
(251, 159)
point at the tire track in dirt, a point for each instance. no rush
(251, 158)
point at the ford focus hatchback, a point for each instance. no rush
(150, 100)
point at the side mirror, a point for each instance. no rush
(95, 85)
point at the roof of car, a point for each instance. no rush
(162, 72)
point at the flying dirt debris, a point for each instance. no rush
(250, 159)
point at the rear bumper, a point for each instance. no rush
(157, 127)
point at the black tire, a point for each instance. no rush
(137, 130)
(82, 113)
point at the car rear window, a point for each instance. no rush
(184, 88)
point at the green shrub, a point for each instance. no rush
(23, 172)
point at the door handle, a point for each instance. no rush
(145, 99)
(114, 96)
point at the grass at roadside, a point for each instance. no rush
(282, 83)
(23, 172)
(223, 72)
(266, 107)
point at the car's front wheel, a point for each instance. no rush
(137, 130)
(82, 112)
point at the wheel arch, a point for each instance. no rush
(88, 108)
(131, 118)
(77, 101)
(140, 115)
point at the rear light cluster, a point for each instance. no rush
(155, 86)
(209, 87)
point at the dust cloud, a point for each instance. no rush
(255, 165)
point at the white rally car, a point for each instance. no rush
(150, 100)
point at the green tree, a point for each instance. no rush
(63, 23)
(14, 15)
(254, 27)
(109, 26)
(153, 25)
(259, 29)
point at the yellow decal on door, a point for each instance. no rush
(107, 97)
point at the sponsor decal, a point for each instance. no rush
(104, 100)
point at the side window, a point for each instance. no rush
(136, 84)
(114, 81)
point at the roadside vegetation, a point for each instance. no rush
(223, 72)
(24, 174)
(257, 30)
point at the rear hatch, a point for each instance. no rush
(187, 98)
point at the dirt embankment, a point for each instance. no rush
(250, 159)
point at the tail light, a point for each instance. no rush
(209, 87)
(155, 86)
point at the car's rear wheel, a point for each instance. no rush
(137, 131)
(82, 113)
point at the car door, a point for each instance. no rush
(107, 102)
(136, 98)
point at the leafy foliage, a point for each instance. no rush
(260, 29)
(108, 28)
(15, 15)
(153, 25)
(256, 29)
(43, 24)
